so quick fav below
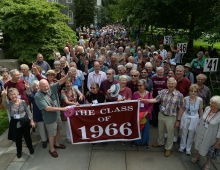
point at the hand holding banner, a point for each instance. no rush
(105, 122)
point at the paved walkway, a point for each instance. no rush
(109, 156)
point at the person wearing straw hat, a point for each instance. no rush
(187, 73)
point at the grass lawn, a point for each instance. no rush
(3, 121)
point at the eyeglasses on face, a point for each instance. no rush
(92, 88)
(134, 75)
(128, 68)
(108, 73)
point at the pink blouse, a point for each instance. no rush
(147, 106)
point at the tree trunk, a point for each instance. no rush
(191, 29)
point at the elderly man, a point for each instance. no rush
(133, 83)
(114, 63)
(171, 110)
(101, 62)
(18, 83)
(96, 76)
(183, 83)
(159, 83)
(106, 84)
(43, 64)
(121, 55)
(47, 100)
(204, 92)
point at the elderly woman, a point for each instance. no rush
(5, 76)
(21, 119)
(63, 65)
(76, 80)
(37, 112)
(204, 92)
(143, 75)
(149, 68)
(208, 131)
(198, 64)
(57, 69)
(125, 93)
(190, 118)
(26, 75)
(51, 76)
(69, 97)
(94, 96)
(144, 107)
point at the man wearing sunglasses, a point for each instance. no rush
(132, 84)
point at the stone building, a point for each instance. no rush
(68, 11)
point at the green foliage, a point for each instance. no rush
(34, 26)
(3, 120)
(194, 17)
(84, 12)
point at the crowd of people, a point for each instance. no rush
(172, 95)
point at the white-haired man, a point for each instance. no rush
(171, 110)
(47, 100)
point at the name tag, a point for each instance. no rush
(198, 67)
(206, 125)
(163, 108)
(142, 105)
(43, 71)
(95, 102)
(120, 96)
(19, 96)
(16, 116)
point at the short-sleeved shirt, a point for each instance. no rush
(183, 86)
(158, 84)
(51, 98)
(170, 101)
(20, 86)
(126, 93)
(105, 85)
(195, 63)
(44, 65)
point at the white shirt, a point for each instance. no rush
(95, 78)
(163, 53)
(68, 57)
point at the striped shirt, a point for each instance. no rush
(170, 101)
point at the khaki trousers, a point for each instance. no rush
(166, 123)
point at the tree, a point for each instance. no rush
(193, 16)
(34, 26)
(84, 12)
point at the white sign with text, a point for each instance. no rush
(211, 65)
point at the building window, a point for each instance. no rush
(69, 1)
(57, 1)
(70, 15)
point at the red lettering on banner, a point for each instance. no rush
(89, 125)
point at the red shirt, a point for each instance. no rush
(20, 86)
(183, 86)
(158, 84)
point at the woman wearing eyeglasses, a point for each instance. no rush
(144, 107)
(94, 96)
(208, 131)
(21, 119)
(69, 96)
(190, 118)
